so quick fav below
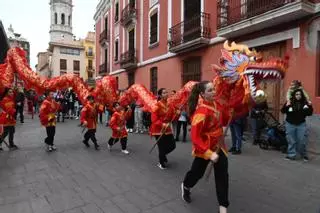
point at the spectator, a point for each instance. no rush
(296, 111)
(236, 128)
(257, 116)
(182, 121)
(20, 103)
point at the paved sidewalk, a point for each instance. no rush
(79, 180)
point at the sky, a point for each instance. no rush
(31, 18)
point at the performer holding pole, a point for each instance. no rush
(118, 125)
(9, 108)
(160, 128)
(208, 118)
(88, 119)
(48, 110)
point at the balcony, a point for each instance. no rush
(128, 14)
(90, 69)
(89, 54)
(104, 37)
(128, 60)
(91, 81)
(190, 34)
(236, 18)
(104, 69)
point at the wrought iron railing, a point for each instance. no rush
(89, 54)
(128, 13)
(104, 35)
(233, 11)
(104, 68)
(128, 57)
(196, 27)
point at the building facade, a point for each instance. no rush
(65, 54)
(89, 48)
(16, 40)
(67, 58)
(4, 43)
(168, 43)
(43, 67)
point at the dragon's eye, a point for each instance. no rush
(253, 58)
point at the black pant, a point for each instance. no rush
(19, 109)
(100, 117)
(90, 134)
(166, 144)
(8, 130)
(123, 142)
(184, 128)
(51, 131)
(221, 176)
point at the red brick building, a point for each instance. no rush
(169, 42)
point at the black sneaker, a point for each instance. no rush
(185, 194)
(1, 149)
(290, 158)
(96, 146)
(305, 158)
(13, 147)
(86, 143)
(236, 152)
(232, 149)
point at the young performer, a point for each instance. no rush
(9, 110)
(118, 125)
(206, 134)
(161, 119)
(88, 119)
(48, 110)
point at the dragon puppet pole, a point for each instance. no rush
(221, 139)
(163, 130)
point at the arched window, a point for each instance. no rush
(55, 18)
(69, 20)
(62, 19)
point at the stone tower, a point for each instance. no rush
(61, 20)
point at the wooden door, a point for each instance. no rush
(275, 91)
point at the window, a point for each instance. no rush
(318, 67)
(130, 78)
(90, 51)
(69, 20)
(90, 74)
(62, 19)
(154, 27)
(55, 18)
(90, 64)
(116, 50)
(117, 80)
(116, 15)
(63, 64)
(76, 65)
(191, 70)
(69, 51)
(154, 80)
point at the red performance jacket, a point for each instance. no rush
(48, 110)
(163, 114)
(89, 114)
(7, 117)
(118, 120)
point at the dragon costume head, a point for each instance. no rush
(241, 65)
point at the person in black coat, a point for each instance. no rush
(296, 110)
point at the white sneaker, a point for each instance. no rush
(109, 147)
(49, 148)
(125, 152)
(54, 148)
(161, 166)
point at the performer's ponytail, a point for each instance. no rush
(194, 96)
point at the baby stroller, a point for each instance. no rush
(274, 134)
